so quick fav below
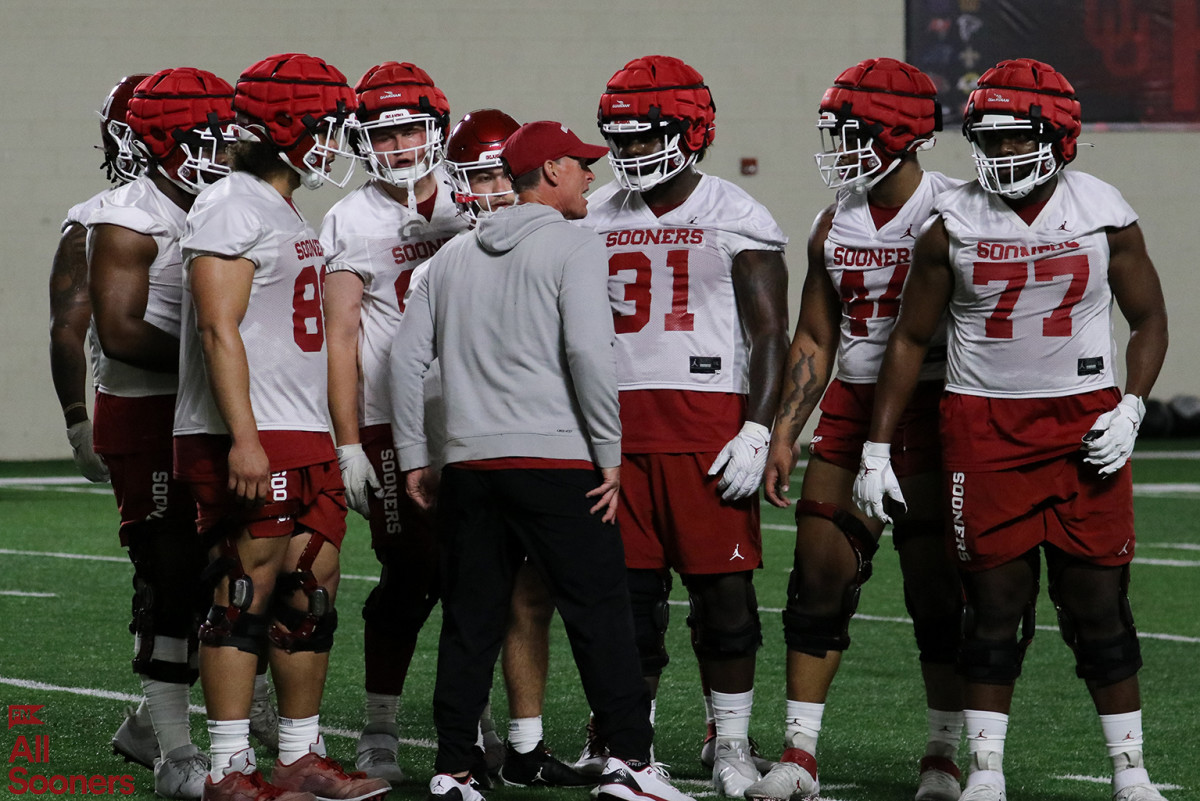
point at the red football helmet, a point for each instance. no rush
(1026, 96)
(121, 164)
(394, 94)
(874, 113)
(181, 120)
(657, 93)
(475, 144)
(304, 107)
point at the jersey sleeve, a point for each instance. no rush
(131, 217)
(221, 229)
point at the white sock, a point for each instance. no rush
(1123, 739)
(653, 709)
(802, 725)
(226, 738)
(986, 732)
(945, 733)
(709, 717)
(298, 737)
(381, 710)
(525, 733)
(167, 704)
(731, 714)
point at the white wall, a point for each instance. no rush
(767, 62)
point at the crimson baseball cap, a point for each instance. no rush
(535, 143)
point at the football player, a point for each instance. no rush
(1036, 436)
(178, 121)
(70, 308)
(373, 239)
(873, 121)
(699, 290)
(251, 432)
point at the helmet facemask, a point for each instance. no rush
(1012, 176)
(472, 203)
(328, 155)
(199, 157)
(378, 159)
(640, 173)
(125, 163)
(849, 154)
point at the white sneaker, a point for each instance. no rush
(621, 781)
(939, 780)
(376, 754)
(445, 786)
(181, 773)
(135, 742)
(984, 792)
(594, 754)
(733, 770)
(793, 778)
(708, 750)
(1138, 792)
(264, 721)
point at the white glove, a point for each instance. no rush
(358, 476)
(1110, 440)
(87, 461)
(876, 481)
(744, 459)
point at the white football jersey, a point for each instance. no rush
(284, 326)
(868, 267)
(671, 284)
(141, 207)
(81, 212)
(381, 241)
(1031, 313)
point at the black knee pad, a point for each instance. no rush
(242, 630)
(649, 591)
(1107, 661)
(817, 635)
(169, 596)
(713, 637)
(989, 661)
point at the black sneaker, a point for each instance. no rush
(480, 777)
(539, 768)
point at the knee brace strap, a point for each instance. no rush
(216, 629)
(648, 594)
(990, 661)
(1106, 662)
(245, 632)
(306, 631)
(857, 534)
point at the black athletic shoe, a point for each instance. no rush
(480, 777)
(539, 768)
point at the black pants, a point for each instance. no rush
(489, 521)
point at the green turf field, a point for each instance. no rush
(64, 608)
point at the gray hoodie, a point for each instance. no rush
(517, 313)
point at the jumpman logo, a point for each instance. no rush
(1063, 227)
(737, 554)
(1124, 549)
(908, 232)
(1129, 736)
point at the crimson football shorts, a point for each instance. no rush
(309, 498)
(846, 419)
(395, 518)
(672, 515)
(133, 437)
(996, 516)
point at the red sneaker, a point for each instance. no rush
(325, 779)
(238, 786)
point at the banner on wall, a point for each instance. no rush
(1134, 63)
